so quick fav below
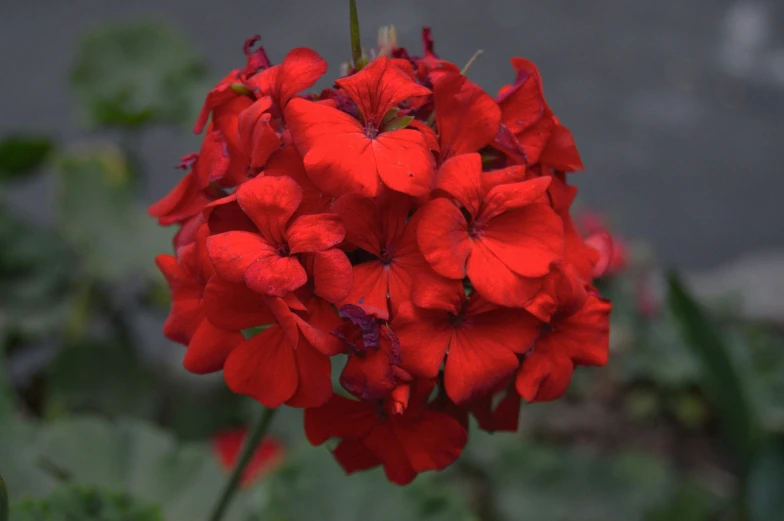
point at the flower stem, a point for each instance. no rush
(251, 443)
(468, 65)
(356, 45)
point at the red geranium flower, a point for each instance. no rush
(581, 338)
(344, 155)
(406, 438)
(267, 260)
(480, 340)
(266, 458)
(388, 255)
(504, 239)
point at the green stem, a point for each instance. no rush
(356, 45)
(251, 443)
(468, 65)
(3, 501)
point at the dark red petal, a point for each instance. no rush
(234, 306)
(560, 152)
(209, 348)
(315, 377)
(424, 338)
(263, 368)
(354, 456)
(523, 104)
(213, 160)
(340, 417)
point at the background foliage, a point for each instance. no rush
(99, 422)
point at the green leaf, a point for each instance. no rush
(765, 500)
(22, 155)
(356, 44)
(100, 218)
(398, 123)
(85, 504)
(137, 73)
(720, 379)
(20, 449)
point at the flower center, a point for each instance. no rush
(371, 131)
(386, 255)
(283, 250)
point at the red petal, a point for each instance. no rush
(369, 375)
(461, 177)
(213, 159)
(474, 366)
(466, 117)
(234, 306)
(369, 290)
(344, 163)
(354, 456)
(560, 152)
(220, 94)
(264, 368)
(300, 70)
(503, 198)
(288, 162)
(270, 202)
(186, 312)
(232, 253)
(275, 275)
(424, 338)
(315, 377)
(332, 275)
(493, 280)
(528, 240)
(361, 219)
(379, 87)
(209, 348)
(225, 215)
(311, 233)
(442, 235)
(309, 122)
(184, 201)
(340, 417)
(523, 104)
(383, 441)
(404, 161)
(583, 336)
(543, 377)
(432, 291)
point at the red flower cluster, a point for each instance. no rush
(403, 218)
(266, 457)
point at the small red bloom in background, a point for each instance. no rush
(403, 218)
(267, 457)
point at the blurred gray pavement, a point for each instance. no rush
(677, 106)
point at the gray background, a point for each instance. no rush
(677, 106)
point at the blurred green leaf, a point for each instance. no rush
(127, 457)
(84, 504)
(691, 503)
(765, 500)
(556, 483)
(127, 387)
(22, 155)
(35, 271)
(311, 485)
(99, 216)
(720, 379)
(138, 73)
